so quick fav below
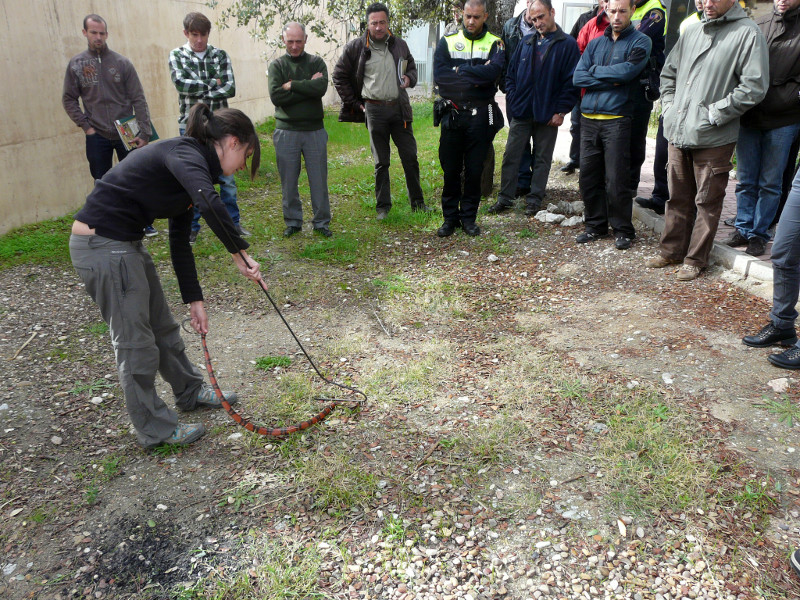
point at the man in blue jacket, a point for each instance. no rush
(539, 92)
(609, 70)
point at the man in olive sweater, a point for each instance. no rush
(297, 83)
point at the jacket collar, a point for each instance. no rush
(735, 13)
(389, 40)
(102, 54)
(622, 34)
(478, 36)
(558, 35)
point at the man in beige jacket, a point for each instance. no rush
(718, 70)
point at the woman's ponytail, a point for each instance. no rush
(209, 127)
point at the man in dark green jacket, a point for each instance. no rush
(297, 83)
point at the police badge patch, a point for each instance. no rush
(460, 46)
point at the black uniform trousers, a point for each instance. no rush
(464, 142)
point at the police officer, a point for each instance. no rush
(466, 66)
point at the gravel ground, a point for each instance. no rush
(479, 469)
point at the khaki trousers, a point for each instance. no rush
(697, 180)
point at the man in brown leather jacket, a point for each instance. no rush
(371, 77)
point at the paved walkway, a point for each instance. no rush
(728, 257)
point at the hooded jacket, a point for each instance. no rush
(718, 70)
(348, 77)
(781, 105)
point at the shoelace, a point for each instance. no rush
(792, 353)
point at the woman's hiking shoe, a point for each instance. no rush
(207, 398)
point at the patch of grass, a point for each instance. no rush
(522, 503)
(498, 242)
(410, 380)
(110, 467)
(394, 284)
(239, 495)
(756, 498)
(787, 411)
(341, 248)
(98, 329)
(167, 450)
(96, 386)
(495, 441)
(343, 489)
(653, 454)
(268, 567)
(42, 513)
(265, 363)
(43, 243)
(394, 528)
(91, 494)
(527, 234)
(335, 481)
(572, 389)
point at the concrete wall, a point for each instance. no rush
(45, 173)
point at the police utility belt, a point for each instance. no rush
(450, 114)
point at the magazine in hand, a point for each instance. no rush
(128, 129)
(402, 65)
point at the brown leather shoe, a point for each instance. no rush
(659, 262)
(687, 273)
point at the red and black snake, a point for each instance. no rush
(267, 431)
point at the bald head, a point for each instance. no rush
(294, 37)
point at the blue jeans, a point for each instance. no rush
(786, 261)
(227, 193)
(100, 153)
(761, 156)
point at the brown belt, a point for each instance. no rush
(381, 102)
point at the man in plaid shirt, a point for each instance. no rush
(203, 73)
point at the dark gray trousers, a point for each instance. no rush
(384, 122)
(122, 280)
(544, 141)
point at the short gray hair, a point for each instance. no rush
(291, 24)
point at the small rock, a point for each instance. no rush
(161, 506)
(3, 407)
(235, 436)
(548, 217)
(493, 258)
(571, 221)
(8, 569)
(779, 385)
(667, 377)
(56, 440)
(700, 566)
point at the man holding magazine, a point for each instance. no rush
(109, 88)
(372, 78)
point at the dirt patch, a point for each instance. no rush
(478, 466)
